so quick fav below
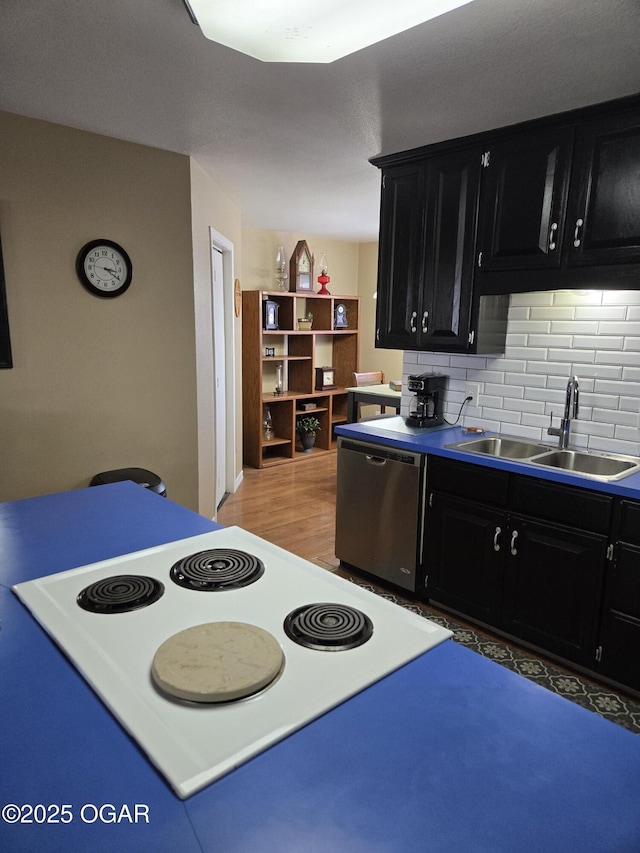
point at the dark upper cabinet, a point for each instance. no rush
(548, 204)
(427, 257)
(603, 219)
(524, 194)
(400, 259)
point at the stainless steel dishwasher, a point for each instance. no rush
(379, 510)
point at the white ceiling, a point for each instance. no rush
(291, 143)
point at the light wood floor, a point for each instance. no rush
(291, 505)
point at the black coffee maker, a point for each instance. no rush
(425, 410)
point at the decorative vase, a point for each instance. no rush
(308, 441)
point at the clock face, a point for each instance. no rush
(327, 377)
(305, 263)
(104, 268)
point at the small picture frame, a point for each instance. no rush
(269, 352)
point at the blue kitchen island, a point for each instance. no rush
(451, 752)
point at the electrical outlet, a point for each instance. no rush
(472, 389)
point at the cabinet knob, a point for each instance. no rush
(552, 236)
(514, 536)
(413, 321)
(425, 317)
(496, 544)
(576, 233)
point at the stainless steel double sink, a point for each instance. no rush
(586, 463)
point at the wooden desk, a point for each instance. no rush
(381, 395)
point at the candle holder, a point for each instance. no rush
(282, 275)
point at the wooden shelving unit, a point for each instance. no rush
(299, 353)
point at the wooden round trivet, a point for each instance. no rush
(217, 662)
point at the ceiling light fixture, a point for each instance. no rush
(313, 31)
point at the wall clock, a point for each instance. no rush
(104, 268)
(325, 378)
(301, 269)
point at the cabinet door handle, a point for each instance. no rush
(514, 536)
(496, 544)
(425, 317)
(576, 233)
(552, 236)
(413, 321)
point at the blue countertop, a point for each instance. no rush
(434, 441)
(451, 752)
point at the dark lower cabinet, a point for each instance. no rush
(538, 577)
(619, 650)
(464, 569)
(552, 587)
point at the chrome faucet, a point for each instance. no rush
(570, 412)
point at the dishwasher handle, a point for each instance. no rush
(375, 460)
(377, 454)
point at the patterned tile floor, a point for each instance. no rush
(600, 698)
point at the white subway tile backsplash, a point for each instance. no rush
(563, 341)
(551, 312)
(550, 336)
(611, 342)
(610, 387)
(626, 433)
(619, 358)
(469, 361)
(630, 327)
(519, 313)
(525, 353)
(529, 406)
(577, 297)
(602, 312)
(631, 374)
(540, 421)
(514, 341)
(530, 327)
(610, 445)
(503, 415)
(568, 356)
(575, 327)
(628, 404)
(530, 299)
(621, 297)
(546, 367)
(619, 416)
(601, 371)
(503, 390)
(530, 380)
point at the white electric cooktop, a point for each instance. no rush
(192, 743)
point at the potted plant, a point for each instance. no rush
(307, 427)
(305, 323)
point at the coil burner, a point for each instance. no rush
(328, 627)
(120, 594)
(217, 570)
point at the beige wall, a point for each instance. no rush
(97, 384)
(212, 208)
(386, 360)
(259, 249)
